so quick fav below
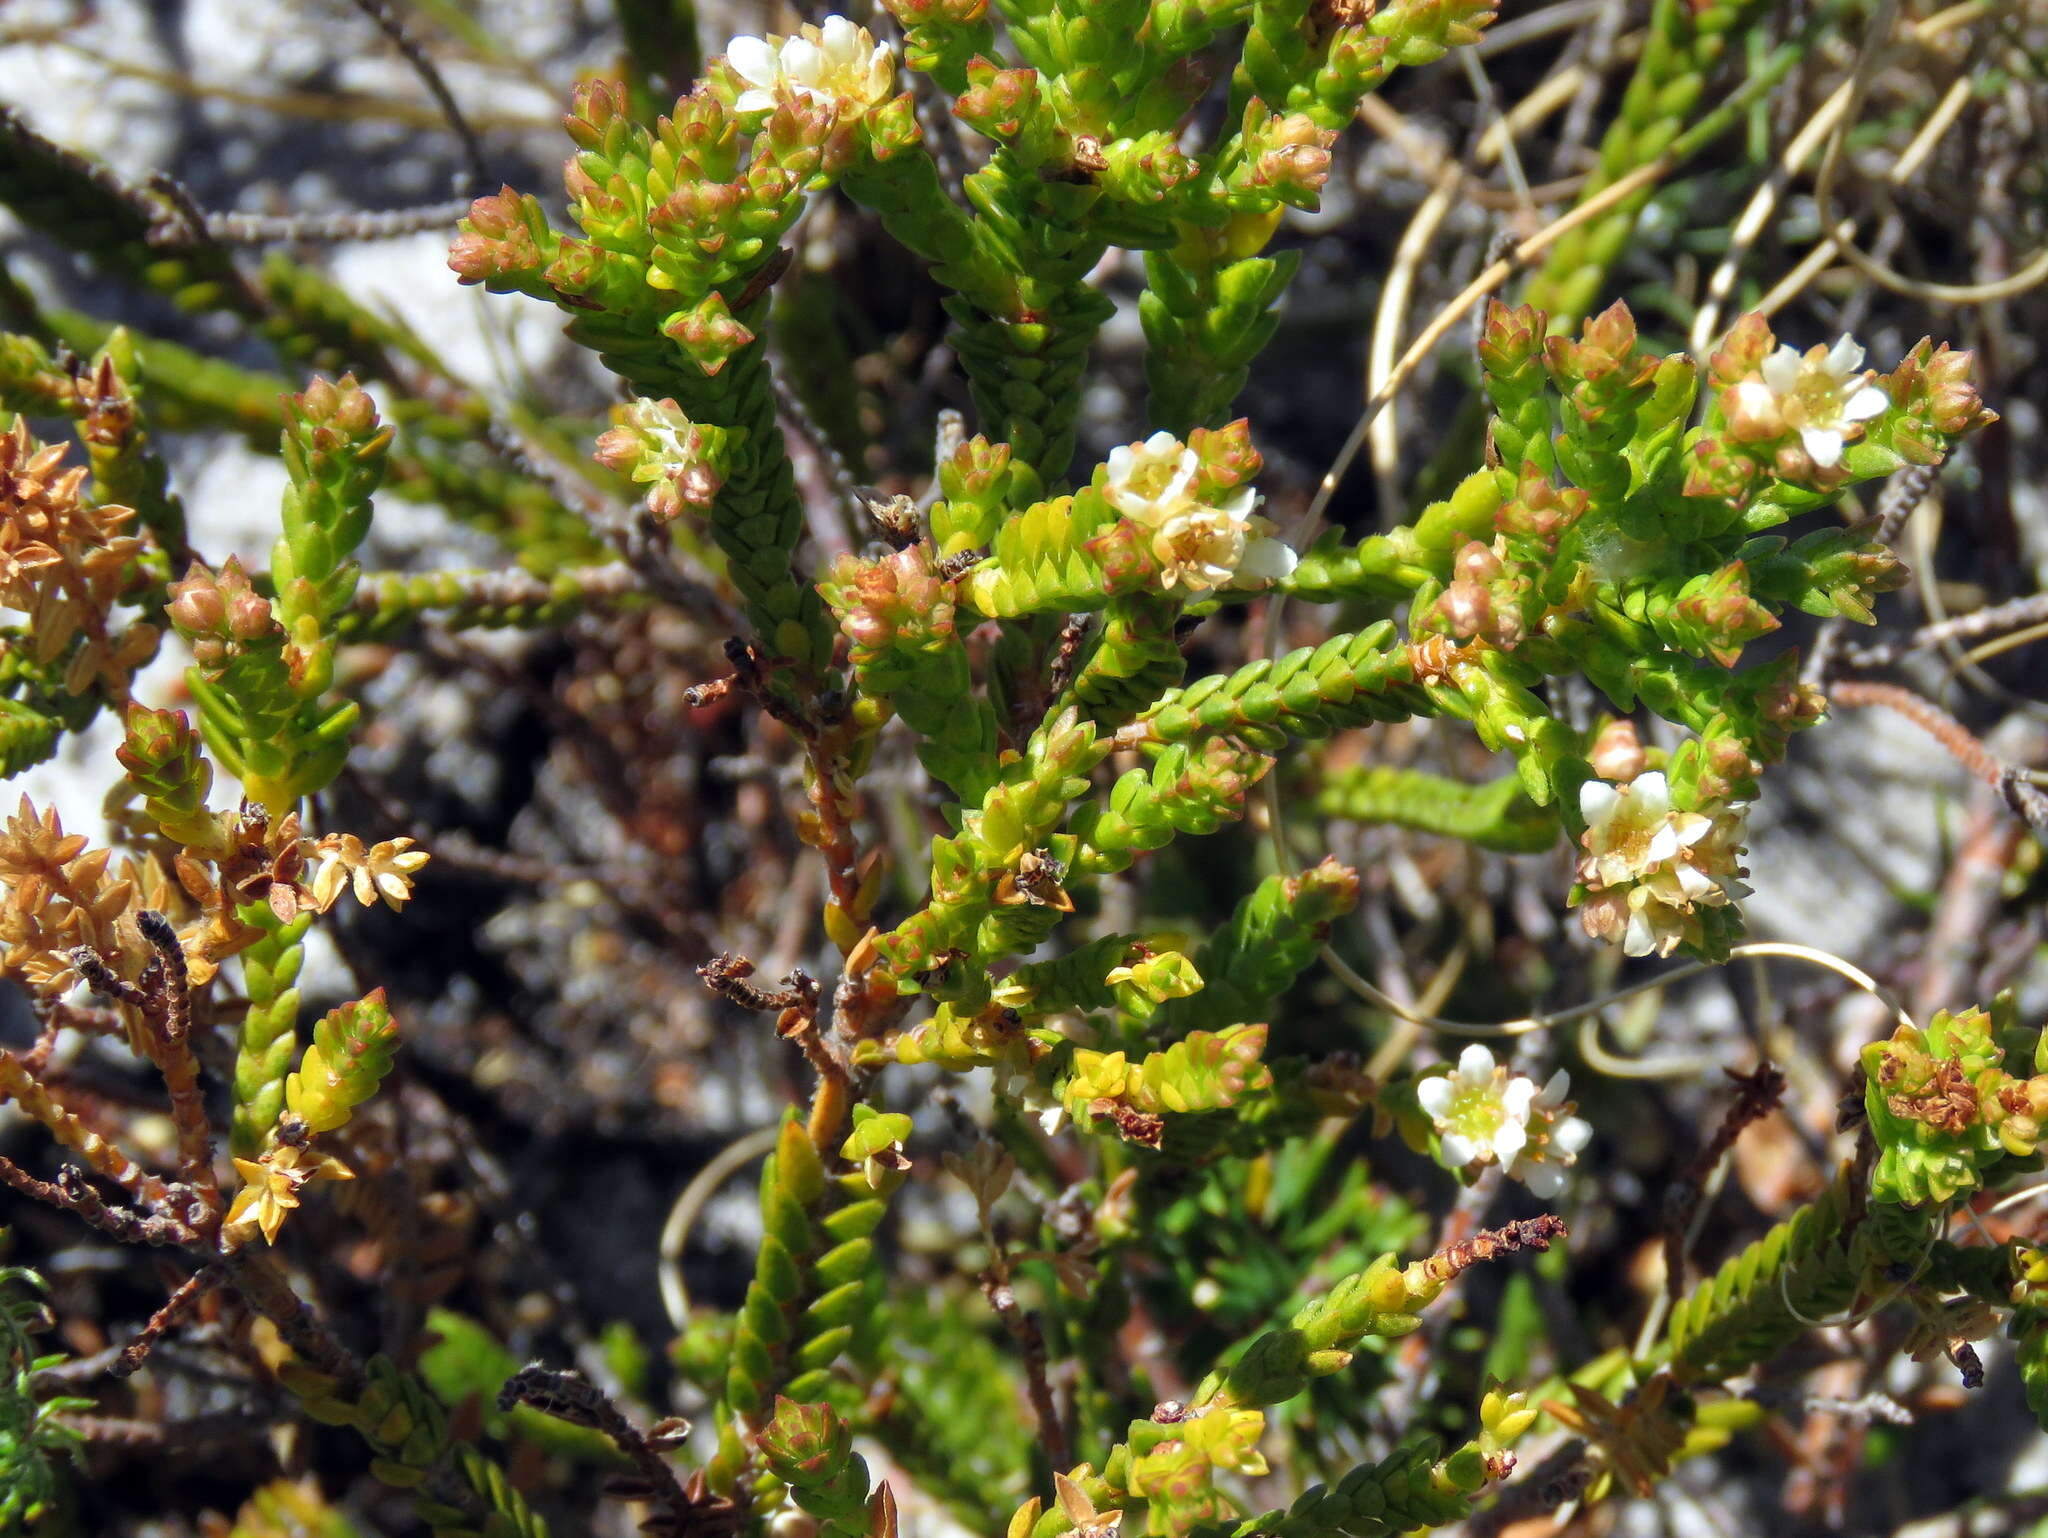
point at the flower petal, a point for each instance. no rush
(1641, 938)
(753, 60)
(1475, 1063)
(1268, 560)
(1571, 1135)
(1434, 1094)
(1457, 1150)
(1823, 444)
(1652, 793)
(1516, 1097)
(803, 62)
(1845, 357)
(1866, 403)
(1781, 370)
(1544, 1180)
(840, 39)
(1597, 801)
(1509, 1139)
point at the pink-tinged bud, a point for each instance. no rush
(1713, 470)
(250, 618)
(996, 99)
(897, 601)
(1511, 338)
(577, 268)
(1227, 456)
(1795, 704)
(1605, 916)
(1466, 608)
(496, 214)
(1540, 512)
(584, 190)
(978, 465)
(618, 448)
(1721, 615)
(693, 488)
(196, 607)
(1611, 332)
(1476, 562)
(893, 128)
(1743, 351)
(1604, 361)
(1792, 463)
(1297, 174)
(1729, 771)
(1124, 551)
(495, 239)
(594, 106)
(1933, 388)
(1752, 411)
(708, 333)
(1617, 753)
(317, 402)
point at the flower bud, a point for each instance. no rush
(196, 607)
(1476, 562)
(1617, 753)
(1466, 608)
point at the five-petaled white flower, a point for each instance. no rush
(1649, 867)
(1821, 394)
(1198, 545)
(836, 63)
(1485, 1114)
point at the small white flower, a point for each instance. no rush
(1555, 1139)
(1198, 545)
(1822, 394)
(1650, 867)
(1480, 1111)
(1485, 1114)
(1631, 830)
(837, 63)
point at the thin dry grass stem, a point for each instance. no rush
(1826, 960)
(332, 229)
(1453, 183)
(101, 1156)
(2016, 617)
(2011, 783)
(1821, 128)
(2030, 274)
(176, 1306)
(307, 106)
(1757, 1094)
(1489, 102)
(387, 21)
(682, 1216)
(1986, 650)
(847, 503)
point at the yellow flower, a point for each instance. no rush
(383, 870)
(270, 1189)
